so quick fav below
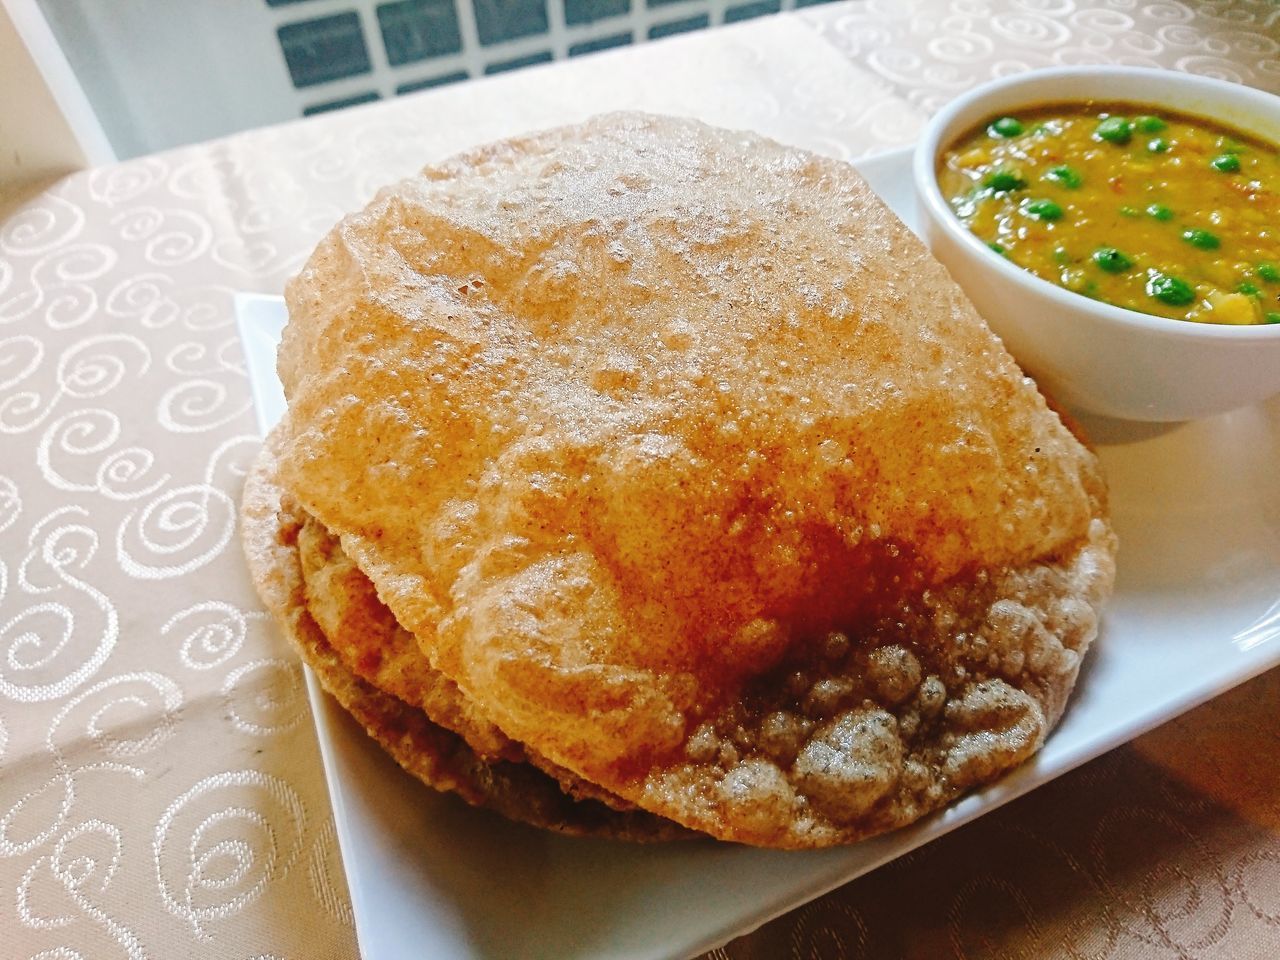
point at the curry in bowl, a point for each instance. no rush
(1143, 208)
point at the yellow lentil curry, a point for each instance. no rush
(1143, 208)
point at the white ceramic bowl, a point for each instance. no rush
(1091, 355)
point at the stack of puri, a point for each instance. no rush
(650, 480)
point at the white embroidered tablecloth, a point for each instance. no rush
(160, 787)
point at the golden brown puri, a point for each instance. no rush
(432, 754)
(365, 637)
(694, 471)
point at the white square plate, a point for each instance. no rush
(1196, 611)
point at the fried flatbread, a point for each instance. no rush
(693, 470)
(366, 638)
(436, 756)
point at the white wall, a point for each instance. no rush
(46, 127)
(165, 72)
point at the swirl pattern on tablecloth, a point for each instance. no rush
(219, 845)
(161, 793)
(931, 51)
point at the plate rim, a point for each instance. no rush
(253, 313)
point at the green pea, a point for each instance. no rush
(1225, 163)
(1004, 180)
(1117, 130)
(1273, 316)
(1042, 209)
(1269, 272)
(1174, 291)
(1064, 175)
(1005, 127)
(1111, 260)
(1060, 255)
(1128, 211)
(1158, 145)
(1159, 211)
(1249, 288)
(1201, 239)
(1149, 124)
(997, 247)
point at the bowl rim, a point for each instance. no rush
(931, 144)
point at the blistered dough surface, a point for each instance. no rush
(366, 638)
(630, 423)
(368, 643)
(428, 751)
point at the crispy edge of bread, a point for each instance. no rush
(427, 751)
(340, 598)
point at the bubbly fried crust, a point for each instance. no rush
(365, 637)
(432, 754)
(679, 454)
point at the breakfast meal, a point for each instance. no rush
(1143, 208)
(648, 480)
